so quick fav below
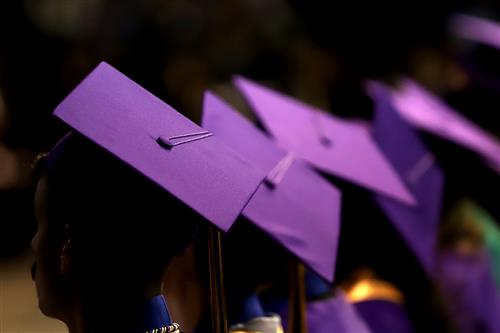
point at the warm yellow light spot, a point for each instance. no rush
(372, 289)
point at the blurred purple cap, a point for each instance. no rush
(428, 113)
(476, 29)
(339, 147)
(416, 165)
(295, 205)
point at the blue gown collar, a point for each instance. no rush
(153, 315)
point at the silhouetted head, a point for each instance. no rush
(104, 231)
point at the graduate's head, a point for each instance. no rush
(104, 230)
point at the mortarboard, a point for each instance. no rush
(416, 165)
(428, 113)
(339, 147)
(188, 162)
(295, 205)
(138, 128)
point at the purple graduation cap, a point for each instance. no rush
(339, 147)
(476, 29)
(138, 128)
(415, 164)
(294, 205)
(428, 113)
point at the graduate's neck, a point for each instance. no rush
(116, 309)
(74, 318)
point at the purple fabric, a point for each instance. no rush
(339, 147)
(384, 317)
(331, 315)
(427, 112)
(302, 211)
(334, 314)
(123, 118)
(472, 296)
(415, 164)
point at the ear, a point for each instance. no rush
(66, 255)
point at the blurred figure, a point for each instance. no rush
(465, 274)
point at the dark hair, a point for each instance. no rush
(124, 228)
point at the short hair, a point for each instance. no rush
(121, 223)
